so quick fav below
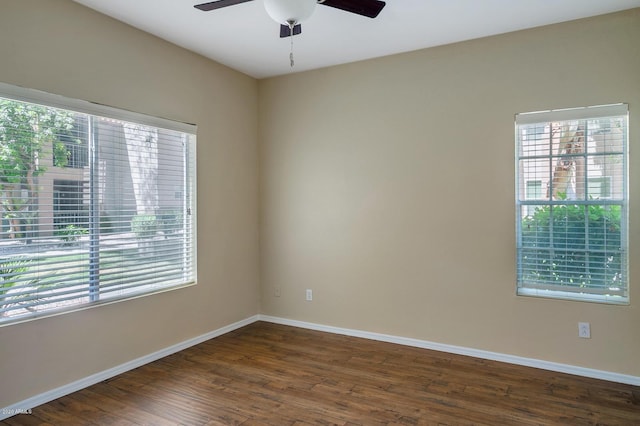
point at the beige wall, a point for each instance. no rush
(63, 48)
(387, 187)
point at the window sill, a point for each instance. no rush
(577, 297)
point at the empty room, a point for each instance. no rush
(348, 212)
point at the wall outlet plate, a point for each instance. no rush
(309, 295)
(584, 330)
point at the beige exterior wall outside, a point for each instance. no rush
(64, 48)
(387, 187)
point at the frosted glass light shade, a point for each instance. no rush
(289, 11)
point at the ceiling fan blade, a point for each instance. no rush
(286, 32)
(218, 4)
(368, 8)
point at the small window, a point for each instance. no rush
(534, 192)
(70, 149)
(599, 187)
(571, 203)
(98, 204)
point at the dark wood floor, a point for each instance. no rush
(267, 374)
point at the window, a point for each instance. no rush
(70, 148)
(571, 203)
(599, 187)
(98, 204)
(534, 192)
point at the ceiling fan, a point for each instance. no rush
(289, 13)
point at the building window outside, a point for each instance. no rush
(571, 203)
(69, 205)
(98, 205)
(533, 192)
(71, 148)
(599, 187)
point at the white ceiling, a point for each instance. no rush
(243, 36)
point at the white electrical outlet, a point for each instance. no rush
(584, 330)
(309, 295)
(276, 291)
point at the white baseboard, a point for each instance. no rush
(43, 398)
(460, 350)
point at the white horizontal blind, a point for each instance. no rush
(571, 199)
(94, 209)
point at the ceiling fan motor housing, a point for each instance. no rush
(289, 12)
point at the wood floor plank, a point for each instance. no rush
(268, 374)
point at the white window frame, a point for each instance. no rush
(548, 289)
(37, 97)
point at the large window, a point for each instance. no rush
(97, 204)
(571, 202)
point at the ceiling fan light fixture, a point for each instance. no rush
(289, 12)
